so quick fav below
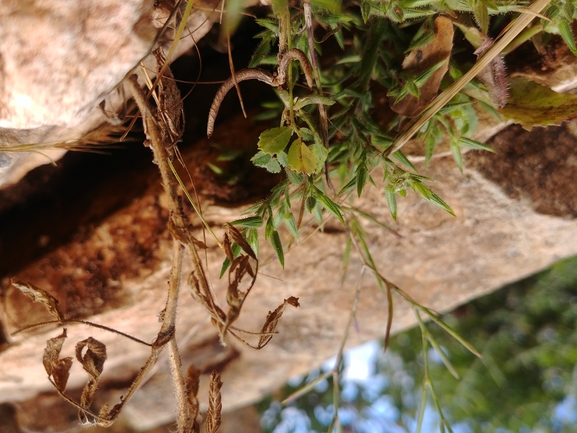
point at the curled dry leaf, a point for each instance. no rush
(240, 240)
(192, 383)
(93, 363)
(39, 295)
(272, 320)
(213, 415)
(58, 369)
(422, 59)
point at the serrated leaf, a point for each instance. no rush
(301, 159)
(252, 222)
(273, 166)
(274, 140)
(261, 159)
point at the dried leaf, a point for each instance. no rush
(531, 104)
(42, 296)
(422, 59)
(240, 240)
(272, 320)
(192, 382)
(94, 358)
(213, 415)
(93, 362)
(59, 369)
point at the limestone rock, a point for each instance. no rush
(116, 275)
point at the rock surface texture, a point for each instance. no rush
(59, 60)
(515, 215)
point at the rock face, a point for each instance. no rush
(59, 60)
(113, 267)
(116, 273)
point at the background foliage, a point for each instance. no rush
(526, 381)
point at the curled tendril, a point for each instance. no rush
(261, 75)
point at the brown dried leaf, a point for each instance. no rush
(213, 415)
(272, 320)
(422, 59)
(240, 240)
(228, 248)
(192, 381)
(93, 363)
(59, 369)
(39, 295)
(94, 358)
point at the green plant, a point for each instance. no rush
(334, 137)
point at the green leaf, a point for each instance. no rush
(261, 51)
(481, 14)
(400, 156)
(329, 205)
(261, 159)
(273, 166)
(531, 104)
(310, 203)
(251, 237)
(277, 245)
(476, 145)
(329, 5)
(253, 222)
(291, 224)
(274, 140)
(281, 157)
(430, 196)
(301, 159)
(456, 151)
(361, 178)
(312, 99)
(226, 264)
(392, 201)
(567, 35)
